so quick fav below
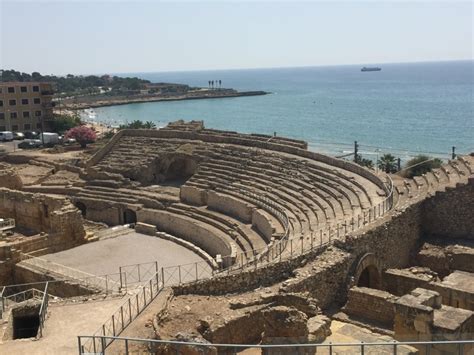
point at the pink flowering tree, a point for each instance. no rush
(82, 135)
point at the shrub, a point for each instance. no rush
(82, 134)
(420, 165)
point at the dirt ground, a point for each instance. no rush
(63, 325)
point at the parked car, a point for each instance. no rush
(18, 136)
(31, 135)
(6, 136)
(30, 144)
(66, 141)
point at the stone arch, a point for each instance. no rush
(82, 207)
(129, 216)
(368, 272)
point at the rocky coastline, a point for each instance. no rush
(102, 101)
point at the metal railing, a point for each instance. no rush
(460, 347)
(137, 273)
(127, 312)
(109, 283)
(43, 311)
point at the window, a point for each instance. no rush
(23, 89)
(2, 116)
(1, 103)
(27, 126)
(24, 101)
(37, 113)
(15, 127)
(38, 125)
(26, 114)
(13, 115)
(11, 90)
(12, 102)
(36, 88)
(3, 128)
(37, 100)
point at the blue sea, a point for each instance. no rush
(405, 109)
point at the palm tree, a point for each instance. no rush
(387, 163)
(209, 84)
(212, 84)
(149, 125)
(220, 83)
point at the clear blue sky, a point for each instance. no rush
(77, 37)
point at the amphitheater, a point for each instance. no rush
(191, 237)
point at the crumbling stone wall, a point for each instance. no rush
(9, 178)
(371, 304)
(40, 213)
(450, 214)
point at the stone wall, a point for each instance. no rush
(262, 222)
(371, 304)
(188, 230)
(401, 282)
(450, 214)
(101, 211)
(193, 195)
(230, 206)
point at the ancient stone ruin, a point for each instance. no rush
(298, 247)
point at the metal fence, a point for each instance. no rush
(137, 273)
(124, 346)
(109, 283)
(127, 312)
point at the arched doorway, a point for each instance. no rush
(129, 216)
(82, 207)
(368, 272)
(370, 277)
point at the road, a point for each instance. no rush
(10, 146)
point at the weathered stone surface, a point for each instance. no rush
(319, 328)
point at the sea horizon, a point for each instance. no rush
(323, 104)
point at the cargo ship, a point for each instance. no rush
(371, 69)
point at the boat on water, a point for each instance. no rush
(371, 69)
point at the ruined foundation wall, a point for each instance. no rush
(56, 217)
(450, 214)
(371, 304)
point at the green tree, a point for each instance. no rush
(364, 162)
(138, 124)
(62, 123)
(149, 125)
(420, 164)
(387, 163)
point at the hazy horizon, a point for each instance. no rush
(93, 37)
(243, 69)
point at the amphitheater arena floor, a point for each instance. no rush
(105, 256)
